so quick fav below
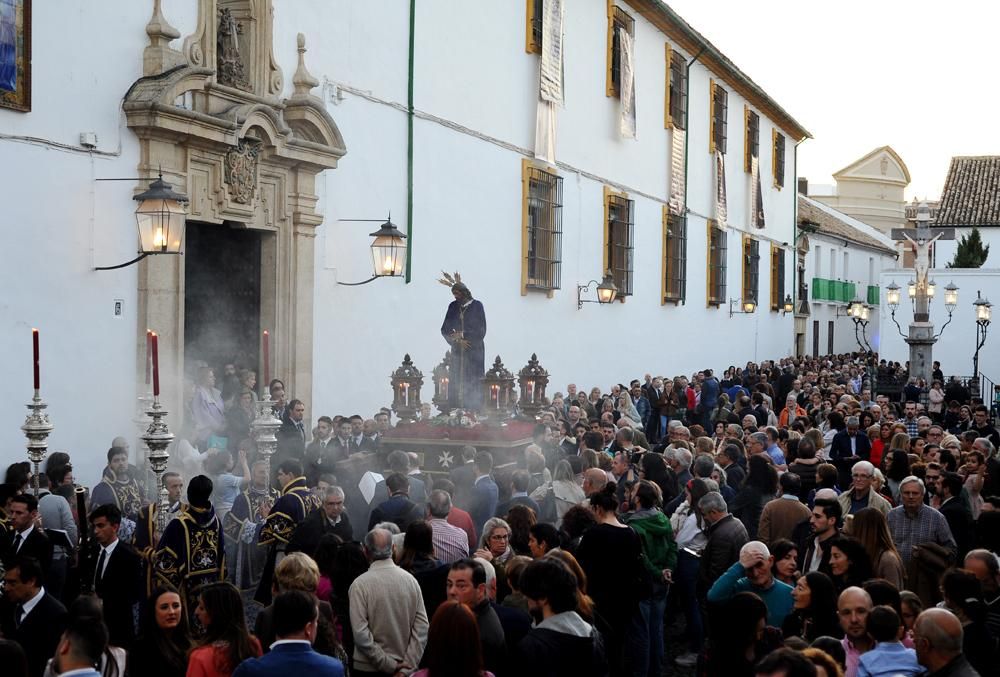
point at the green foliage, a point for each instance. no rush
(970, 252)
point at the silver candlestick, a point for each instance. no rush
(264, 426)
(143, 403)
(157, 439)
(37, 428)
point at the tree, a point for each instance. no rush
(970, 252)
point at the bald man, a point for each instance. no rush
(853, 607)
(937, 637)
(594, 480)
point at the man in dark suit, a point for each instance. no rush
(955, 510)
(292, 434)
(330, 520)
(463, 477)
(295, 621)
(398, 509)
(849, 446)
(483, 503)
(321, 453)
(26, 540)
(30, 616)
(117, 575)
(518, 494)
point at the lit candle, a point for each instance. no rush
(406, 394)
(267, 358)
(149, 357)
(34, 350)
(495, 395)
(156, 364)
(444, 387)
(530, 385)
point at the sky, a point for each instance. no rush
(917, 75)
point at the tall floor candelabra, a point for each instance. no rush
(264, 426)
(157, 438)
(37, 428)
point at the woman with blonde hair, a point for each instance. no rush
(871, 529)
(563, 489)
(626, 409)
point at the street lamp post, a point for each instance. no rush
(983, 313)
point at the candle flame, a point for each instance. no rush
(159, 240)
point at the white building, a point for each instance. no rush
(870, 189)
(843, 261)
(276, 149)
(970, 199)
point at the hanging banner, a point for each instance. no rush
(756, 195)
(550, 85)
(721, 214)
(627, 89)
(677, 187)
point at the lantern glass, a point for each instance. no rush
(983, 310)
(161, 226)
(789, 306)
(749, 305)
(931, 288)
(911, 289)
(951, 296)
(388, 255)
(865, 312)
(606, 290)
(892, 295)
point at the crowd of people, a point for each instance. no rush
(786, 519)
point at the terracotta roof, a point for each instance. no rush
(971, 195)
(826, 220)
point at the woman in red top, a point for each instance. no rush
(227, 643)
(881, 445)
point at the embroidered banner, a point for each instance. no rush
(756, 195)
(627, 89)
(721, 215)
(550, 87)
(677, 187)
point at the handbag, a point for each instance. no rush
(547, 508)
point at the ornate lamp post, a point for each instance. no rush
(265, 427)
(498, 392)
(406, 382)
(532, 380)
(983, 315)
(442, 381)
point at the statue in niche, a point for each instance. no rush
(230, 67)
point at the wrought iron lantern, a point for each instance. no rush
(442, 383)
(892, 296)
(532, 380)
(746, 306)
(406, 382)
(160, 217)
(607, 291)
(788, 305)
(951, 296)
(498, 392)
(388, 250)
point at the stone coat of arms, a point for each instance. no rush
(241, 170)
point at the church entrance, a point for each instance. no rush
(222, 296)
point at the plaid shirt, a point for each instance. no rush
(911, 426)
(450, 543)
(927, 526)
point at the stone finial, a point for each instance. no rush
(158, 55)
(303, 80)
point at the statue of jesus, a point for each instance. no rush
(464, 329)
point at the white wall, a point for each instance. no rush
(863, 269)
(957, 344)
(471, 70)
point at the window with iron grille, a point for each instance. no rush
(676, 89)
(543, 229)
(751, 269)
(717, 251)
(779, 159)
(533, 26)
(618, 21)
(719, 118)
(675, 257)
(751, 144)
(619, 212)
(777, 278)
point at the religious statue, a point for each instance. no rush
(464, 329)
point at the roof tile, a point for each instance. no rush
(971, 195)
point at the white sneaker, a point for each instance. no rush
(687, 659)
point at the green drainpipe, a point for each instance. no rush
(409, 147)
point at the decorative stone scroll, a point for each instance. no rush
(241, 170)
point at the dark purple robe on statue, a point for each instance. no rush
(467, 364)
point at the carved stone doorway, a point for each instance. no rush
(212, 117)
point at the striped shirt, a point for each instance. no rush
(927, 526)
(450, 543)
